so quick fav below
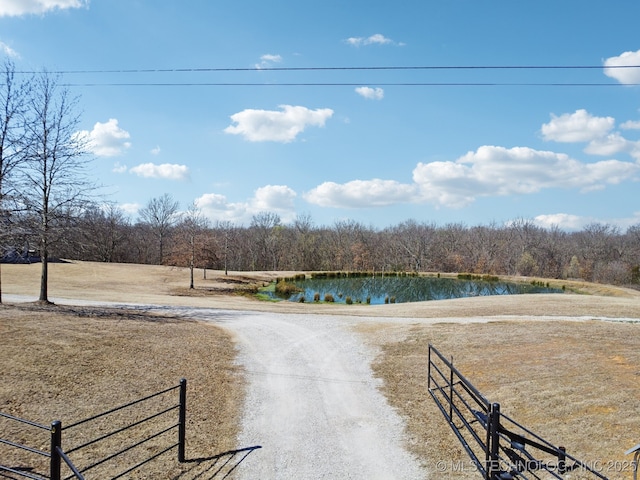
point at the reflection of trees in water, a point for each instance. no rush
(410, 289)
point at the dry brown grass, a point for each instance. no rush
(70, 364)
(576, 384)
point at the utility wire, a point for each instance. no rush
(399, 84)
(341, 84)
(296, 69)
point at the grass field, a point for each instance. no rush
(69, 364)
(576, 383)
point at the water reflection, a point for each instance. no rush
(407, 289)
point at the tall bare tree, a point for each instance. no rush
(54, 180)
(264, 238)
(224, 233)
(161, 214)
(13, 97)
(103, 233)
(193, 223)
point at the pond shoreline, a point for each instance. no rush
(400, 288)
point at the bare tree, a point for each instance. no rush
(224, 231)
(304, 244)
(103, 235)
(193, 224)
(414, 241)
(13, 97)
(161, 214)
(54, 181)
(264, 231)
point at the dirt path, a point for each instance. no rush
(313, 403)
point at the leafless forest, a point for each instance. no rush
(599, 252)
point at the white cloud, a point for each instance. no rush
(130, 208)
(107, 139)
(361, 194)
(276, 126)
(272, 198)
(376, 39)
(628, 74)
(370, 93)
(119, 168)
(567, 221)
(8, 51)
(13, 8)
(564, 221)
(165, 171)
(579, 126)
(488, 172)
(268, 60)
(498, 171)
(631, 125)
(609, 145)
(155, 151)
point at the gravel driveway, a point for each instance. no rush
(312, 403)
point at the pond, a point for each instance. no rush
(401, 289)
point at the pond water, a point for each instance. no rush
(380, 290)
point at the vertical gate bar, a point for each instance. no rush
(56, 442)
(429, 369)
(182, 420)
(487, 448)
(495, 440)
(451, 390)
(562, 460)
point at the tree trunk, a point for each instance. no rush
(193, 259)
(44, 277)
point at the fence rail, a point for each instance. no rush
(57, 456)
(499, 447)
(22, 471)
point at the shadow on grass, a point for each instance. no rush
(216, 467)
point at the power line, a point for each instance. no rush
(369, 68)
(321, 84)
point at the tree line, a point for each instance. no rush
(162, 235)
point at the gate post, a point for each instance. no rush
(182, 420)
(451, 391)
(429, 369)
(494, 444)
(56, 442)
(562, 460)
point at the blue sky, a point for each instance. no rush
(226, 104)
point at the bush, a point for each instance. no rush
(348, 300)
(316, 297)
(328, 297)
(286, 289)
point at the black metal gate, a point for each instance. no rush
(499, 447)
(56, 457)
